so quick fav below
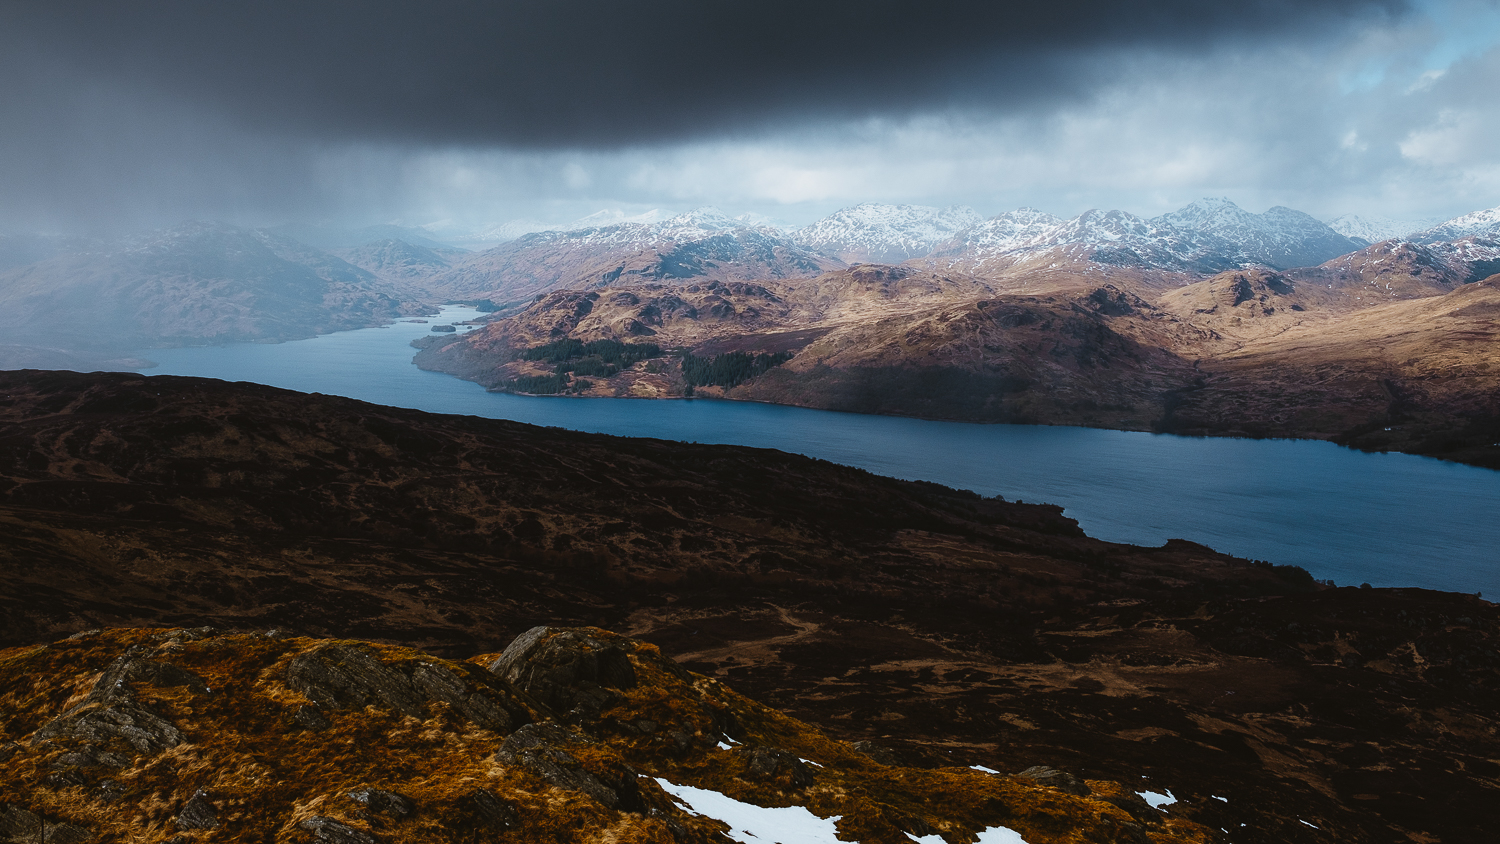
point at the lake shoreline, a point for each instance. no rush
(1343, 514)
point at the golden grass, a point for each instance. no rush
(265, 774)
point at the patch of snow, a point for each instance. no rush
(1313, 825)
(993, 835)
(983, 768)
(1000, 835)
(723, 746)
(1155, 800)
(751, 824)
(810, 762)
(1217, 797)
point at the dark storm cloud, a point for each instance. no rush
(124, 114)
(600, 73)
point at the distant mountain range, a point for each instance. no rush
(700, 244)
(1022, 307)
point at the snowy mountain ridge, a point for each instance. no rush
(889, 234)
(1376, 229)
(1206, 236)
(1478, 224)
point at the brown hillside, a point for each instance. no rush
(949, 629)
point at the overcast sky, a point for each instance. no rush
(117, 116)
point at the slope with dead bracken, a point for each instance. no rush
(1244, 305)
(1420, 375)
(1054, 341)
(1100, 358)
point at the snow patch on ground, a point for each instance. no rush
(983, 768)
(993, 835)
(1156, 800)
(1000, 835)
(751, 824)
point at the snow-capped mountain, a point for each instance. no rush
(885, 234)
(703, 243)
(1209, 235)
(1376, 229)
(1479, 224)
(494, 234)
(1281, 237)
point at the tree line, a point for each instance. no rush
(729, 369)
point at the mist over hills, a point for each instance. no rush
(192, 284)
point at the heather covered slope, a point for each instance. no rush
(947, 628)
(1419, 375)
(569, 735)
(1245, 352)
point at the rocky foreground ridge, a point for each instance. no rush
(567, 735)
(948, 629)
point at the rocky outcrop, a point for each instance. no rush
(353, 676)
(569, 671)
(18, 826)
(198, 813)
(111, 715)
(543, 749)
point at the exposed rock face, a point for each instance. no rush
(111, 714)
(566, 670)
(18, 826)
(329, 830)
(1060, 780)
(384, 802)
(198, 813)
(543, 748)
(343, 677)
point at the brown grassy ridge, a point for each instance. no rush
(263, 772)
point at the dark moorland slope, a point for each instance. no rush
(946, 627)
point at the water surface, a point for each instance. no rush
(1386, 519)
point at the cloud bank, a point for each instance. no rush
(130, 114)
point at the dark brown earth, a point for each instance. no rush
(948, 628)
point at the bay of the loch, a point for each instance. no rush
(1386, 519)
